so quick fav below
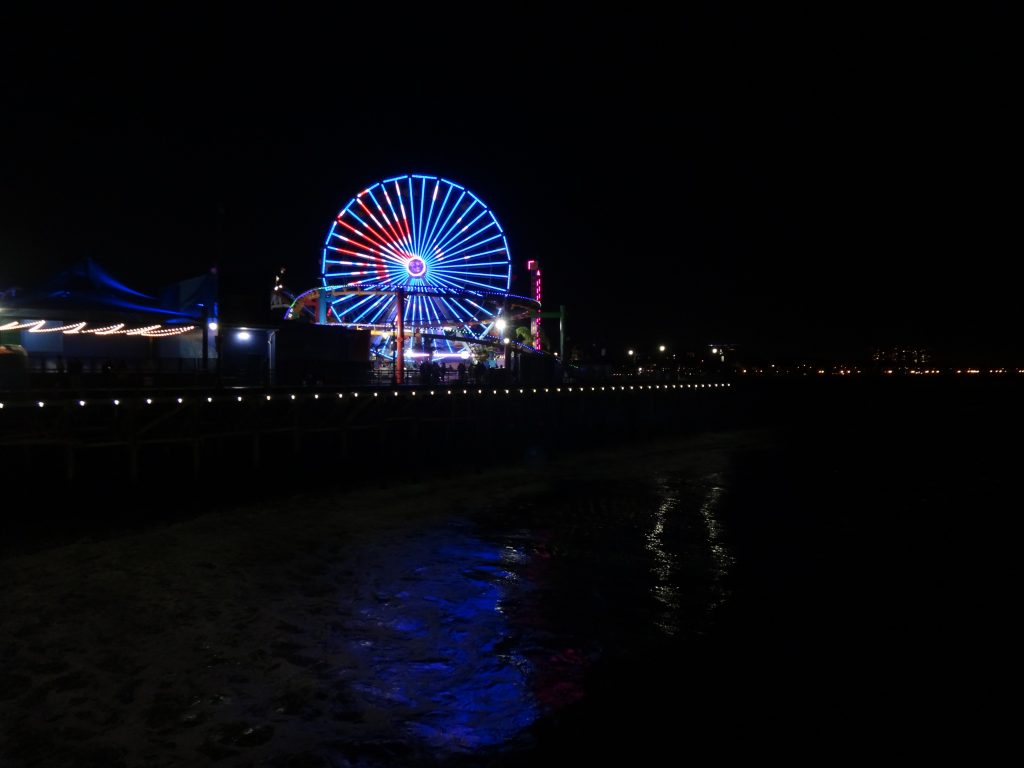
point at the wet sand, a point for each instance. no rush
(280, 633)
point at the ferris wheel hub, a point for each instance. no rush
(416, 267)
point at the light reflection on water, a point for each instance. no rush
(722, 558)
(460, 636)
(680, 544)
(664, 563)
(432, 650)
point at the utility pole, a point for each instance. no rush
(205, 319)
(561, 332)
(400, 338)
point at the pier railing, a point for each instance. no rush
(335, 435)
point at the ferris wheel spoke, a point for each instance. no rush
(462, 274)
(452, 310)
(346, 297)
(430, 214)
(455, 232)
(375, 243)
(427, 247)
(470, 314)
(413, 223)
(380, 234)
(405, 217)
(486, 286)
(395, 236)
(433, 304)
(369, 212)
(354, 307)
(400, 222)
(442, 230)
(481, 308)
(379, 300)
(444, 310)
(467, 267)
(452, 230)
(470, 241)
(419, 218)
(365, 259)
(428, 311)
(474, 253)
(338, 314)
(401, 239)
(387, 307)
(348, 274)
(380, 227)
(463, 268)
(446, 283)
(376, 259)
(455, 270)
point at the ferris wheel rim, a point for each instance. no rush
(388, 243)
(450, 254)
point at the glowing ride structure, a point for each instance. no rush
(422, 252)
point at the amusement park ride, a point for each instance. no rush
(425, 253)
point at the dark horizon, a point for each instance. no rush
(795, 185)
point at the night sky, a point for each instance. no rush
(794, 183)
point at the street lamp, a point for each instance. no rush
(661, 348)
(630, 353)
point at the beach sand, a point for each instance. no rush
(233, 637)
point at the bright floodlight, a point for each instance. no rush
(500, 324)
(243, 336)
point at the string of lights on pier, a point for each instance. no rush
(467, 391)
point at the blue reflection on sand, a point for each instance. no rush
(431, 645)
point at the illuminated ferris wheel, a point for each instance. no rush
(428, 237)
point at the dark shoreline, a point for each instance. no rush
(871, 566)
